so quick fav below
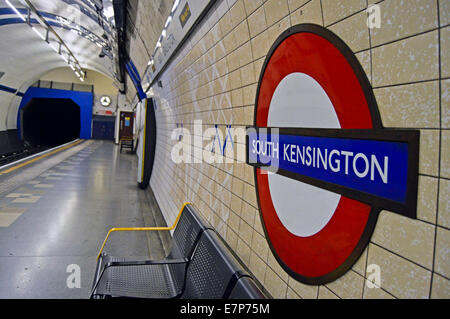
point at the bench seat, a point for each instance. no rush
(199, 266)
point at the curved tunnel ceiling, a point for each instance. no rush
(25, 57)
(85, 26)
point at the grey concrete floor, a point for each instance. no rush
(57, 214)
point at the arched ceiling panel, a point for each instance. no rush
(25, 56)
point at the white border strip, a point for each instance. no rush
(36, 155)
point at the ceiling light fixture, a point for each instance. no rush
(38, 33)
(175, 5)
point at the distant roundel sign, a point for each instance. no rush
(324, 165)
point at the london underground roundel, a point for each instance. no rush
(324, 165)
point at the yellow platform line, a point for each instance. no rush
(11, 169)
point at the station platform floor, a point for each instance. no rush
(56, 211)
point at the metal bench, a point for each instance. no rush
(127, 143)
(199, 266)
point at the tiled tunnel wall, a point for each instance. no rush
(214, 79)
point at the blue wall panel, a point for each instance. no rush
(84, 100)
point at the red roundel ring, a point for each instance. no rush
(318, 53)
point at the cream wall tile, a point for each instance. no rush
(260, 45)
(428, 154)
(444, 203)
(236, 205)
(445, 55)
(238, 187)
(257, 22)
(225, 23)
(233, 220)
(349, 286)
(258, 224)
(354, 31)
(400, 19)
(413, 105)
(427, 199)
(232, 239)
(233, 61)
(235, 79)
(364, 60)
(295, 4)
(440, 288)
(291, 294)
(442, 254)
(277, 29)
(273, 263)
(445, 154)
(236, 98)
(325, 293)
(410, 238)
(400, 277)
(245, 54)
(248, 74)
(249, 93)
(444, 12)
(252, 5)
(445, 103)
(250, 195)
(237, 13)
(257, 267)
(376, 293)
(248, 213)
(258, 67)
(304, 291)
(276, 287)
(243, 251)
(410, 60)
(336, 10)
(275, 10)
(260, 245)
(241, 33)
(360, 265)
(245, 232)
(309, 13)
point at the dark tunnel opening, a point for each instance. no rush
(50, 122)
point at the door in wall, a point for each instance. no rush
(103, 127)
(126, 125)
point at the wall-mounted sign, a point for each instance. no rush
(324, 165)
(188, 14)
(185, 15)
(105, 101)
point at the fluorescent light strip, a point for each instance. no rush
(175, 5)
(168, 21)
(38, 33)
(15, 10)
(54, 48)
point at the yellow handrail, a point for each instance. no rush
(143, 228)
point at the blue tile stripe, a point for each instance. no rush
(8, 89)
